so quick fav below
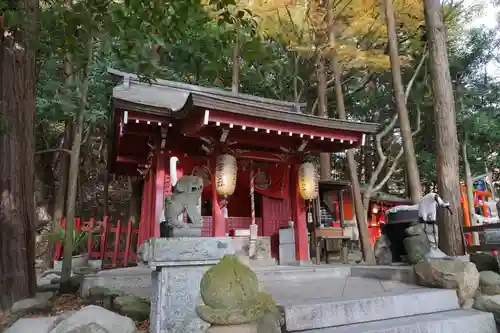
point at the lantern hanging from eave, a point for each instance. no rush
(308, 181)
(225, 175)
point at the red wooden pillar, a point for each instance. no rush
(299, 217)
(218, 220)
(144, 223)
(158, 190)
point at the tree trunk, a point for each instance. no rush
(135, 200)
(470, 194)
(105, 197)
(448, 179)
(58, 203)
(399, 95)
(361, 216)
(17, 115)
(324, 158)
(73, 173)
(59, 207)
(235, 82)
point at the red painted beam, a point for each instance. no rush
(145, 117)
(131, 160)
(279, 126)
(274, 141)
(267, 157)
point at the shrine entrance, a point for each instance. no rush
(156, 124)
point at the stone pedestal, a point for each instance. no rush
(187, 232)
(179, 265)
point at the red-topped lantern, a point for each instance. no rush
(308, 181)
(225, 175)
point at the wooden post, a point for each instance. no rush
(145, 213)
(218, 220)
(252, 250)
(341, 207)
(159, 189)
(299, 217)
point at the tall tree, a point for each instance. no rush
(361, 215)
(448, 178)
(324, 158)
(399, 96)
(17, 115)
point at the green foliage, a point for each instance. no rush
(196, 41)
(78, 238)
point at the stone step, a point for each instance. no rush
(458, 321)
(338, 311)
(299, 273)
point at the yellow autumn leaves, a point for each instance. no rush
(359, 24)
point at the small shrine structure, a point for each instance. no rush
(164, 130)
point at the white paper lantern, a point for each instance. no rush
(225, 175)
(308, 181)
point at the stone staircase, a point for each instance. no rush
(344, 299)
(399, 310)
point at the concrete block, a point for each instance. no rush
(287, 236)
(287, 254)
(180, 264)
(459, 321)
(330, 312)
(174, 251)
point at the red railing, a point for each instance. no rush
(121, 250)
(116, 243)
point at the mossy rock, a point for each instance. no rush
(137, 308)
(248, 312)
(416, 248)
(489, 283)
(229, 285)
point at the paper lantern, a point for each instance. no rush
(225, 175)
(308, 181)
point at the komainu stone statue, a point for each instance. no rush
(187, 193)
(422, 240)
(233, 302)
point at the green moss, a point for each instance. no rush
(229, 284)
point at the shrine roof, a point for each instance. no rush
(178, 100)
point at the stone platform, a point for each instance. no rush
(136, 281)
(346, 299)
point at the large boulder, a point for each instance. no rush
(32, 325)
(485, 262)
(449, 274)
(382, 249)
(489, 283)
(488, 304)
(38, 303)
(417, 247)
(94, 319)
(137, 308)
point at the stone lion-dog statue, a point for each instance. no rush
(185, 198)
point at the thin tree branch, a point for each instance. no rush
(378, 138)
(61, 150)
(390, 126)
(86, 136)
(399, 155)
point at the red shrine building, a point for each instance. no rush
(168, 129)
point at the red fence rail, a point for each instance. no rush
(115, 242)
